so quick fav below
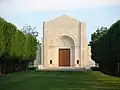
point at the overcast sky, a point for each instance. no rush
(95, 13)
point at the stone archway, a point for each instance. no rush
(65, 46)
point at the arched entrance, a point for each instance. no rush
(65, 50)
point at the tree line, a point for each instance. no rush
(17, 47)
(105, 48)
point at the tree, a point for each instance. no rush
(2, 37)
(98, 33)
(105, 49)
(32, 41)
(16, 47)
(27, 29)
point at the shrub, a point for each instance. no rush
(95, 68)
(32, 68)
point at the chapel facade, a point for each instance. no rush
(65, 44)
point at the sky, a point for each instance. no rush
(95, 13)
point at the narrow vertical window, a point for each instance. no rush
(77, 61)
(50, 61)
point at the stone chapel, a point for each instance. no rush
(64, 44)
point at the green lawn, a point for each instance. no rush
(36, 80)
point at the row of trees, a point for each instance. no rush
(17, 47)
(105, 48)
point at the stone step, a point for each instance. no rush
(63, 69)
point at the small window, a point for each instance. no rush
(77, 61)
(50, 61)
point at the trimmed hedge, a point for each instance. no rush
(16, 48)
(106, 49)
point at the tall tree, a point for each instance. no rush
(20, 47)
(31, 40)
(98, 33)
(27, 29)
(105, 49)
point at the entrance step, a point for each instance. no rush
(63, 69)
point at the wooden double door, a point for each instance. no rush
(64, 57)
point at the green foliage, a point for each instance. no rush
(16, 43)
(16, 47)
(106, 48)
(2, 37)
(99, 32)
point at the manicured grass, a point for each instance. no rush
(36, 80)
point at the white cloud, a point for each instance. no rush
(19, 6)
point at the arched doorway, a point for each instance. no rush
(65, 46)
